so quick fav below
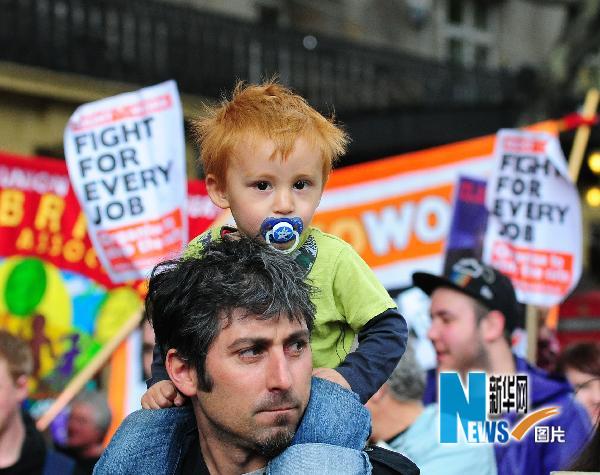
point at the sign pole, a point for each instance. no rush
(79, 381)
(580, 142)
(590, 106)
(532, 326)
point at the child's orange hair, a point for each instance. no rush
(270, 111)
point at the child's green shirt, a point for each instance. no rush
(348, 294)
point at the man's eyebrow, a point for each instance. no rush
(249, 341)
(298, 335)
(441, 313)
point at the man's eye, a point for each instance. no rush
(301, 184)
(297, 347)
(250, 353)
(262, 185)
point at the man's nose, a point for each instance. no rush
(433, 332)
(278, 371)
(284, 202)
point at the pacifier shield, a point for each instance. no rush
(281, 230)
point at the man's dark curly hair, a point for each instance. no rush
(190, 300)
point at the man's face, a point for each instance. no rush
(261, 372)
(12, 394)
(455, 333)
(82, 430)
(259, 184)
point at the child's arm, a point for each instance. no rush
(381, 344)
(331, 375)
(161, 391)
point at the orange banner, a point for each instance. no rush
(396, 212)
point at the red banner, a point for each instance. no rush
(40, 215)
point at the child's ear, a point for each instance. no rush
(181, 373)
(216, 191)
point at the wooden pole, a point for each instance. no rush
(79, 381)
(590, 106)
(532, 324)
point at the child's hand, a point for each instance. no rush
(331, 375)
(162, 394)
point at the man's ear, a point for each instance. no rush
(379, 395)
(182, 374)
(492, 326)
(21, 387)
(216, 191)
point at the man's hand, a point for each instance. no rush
(161, 395)
(331, 375)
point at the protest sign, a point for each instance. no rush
(469, 221)
(396, 212)
(534, 228)
(54, 293)
(126, 160)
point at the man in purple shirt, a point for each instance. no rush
(473, 313)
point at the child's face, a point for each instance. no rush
(260, 185)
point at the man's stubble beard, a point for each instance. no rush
(272, 445)
(267, 441)
(479, 361)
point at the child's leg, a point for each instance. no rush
(335, 416)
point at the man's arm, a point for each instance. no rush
(381, 344)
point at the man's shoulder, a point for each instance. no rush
(330, 459)
(148, 439)
(386, 461)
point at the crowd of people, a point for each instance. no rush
(277, 350)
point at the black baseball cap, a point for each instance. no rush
(484, 283)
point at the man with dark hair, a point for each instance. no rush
(234, 329)
(474, 310)
(22, 447)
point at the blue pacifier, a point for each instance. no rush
(282, 230)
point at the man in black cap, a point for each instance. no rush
(474, 310)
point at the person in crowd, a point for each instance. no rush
(147, 348)
(474, 311)
(267, 155)
(580, 363)
(589, 458)
(234, 327)
(87, 425)
(22, 448)
(401, 422)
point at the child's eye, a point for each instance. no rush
(261, 185)
(301, 184)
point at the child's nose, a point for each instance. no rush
(284, 203)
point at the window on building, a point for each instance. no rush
(481, 56)
(455, 11)
(268, 15)
(455, 51)
(467, 33)
(480, 15)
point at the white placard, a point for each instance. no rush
(534, 226)
(126, 160)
